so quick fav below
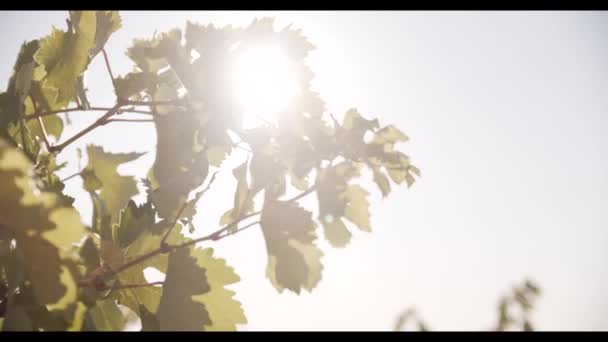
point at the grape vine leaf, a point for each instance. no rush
(243, 203)
(106, 316)
(115, 190)
(194, 297)
(180, 164)
(107, 23)
(294, 261)
(65, 55)
(133, 221)
(43, 229)
(338, 199)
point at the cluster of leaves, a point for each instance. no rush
(521, 299)
(58, 274)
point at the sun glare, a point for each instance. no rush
(264, 83)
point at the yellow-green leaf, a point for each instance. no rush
(382, 182)
(335, 231)
(194, 295)
(116, 190)
(65, 55)
(357, 208)
(294, 261)
(44, 230)
(107, 23)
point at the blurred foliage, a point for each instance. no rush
(514, 310)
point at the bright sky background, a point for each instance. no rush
(507, 118)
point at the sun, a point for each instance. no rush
(264, 83)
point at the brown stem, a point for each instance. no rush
(155, 103)
(135, 111)
(132, 286)
(129, 120)
(77, 109)
(99, 122)
(136, 261)
(177, 216)
(105, 58)
(306, 192)
(215, 236)
(183, 207)
(41, 124)
(167, 248)
(71, 176)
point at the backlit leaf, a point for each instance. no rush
(294, 261)
(116, 190)
(194, 297)
(65, 55)
(44, 230)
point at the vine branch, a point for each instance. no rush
(105, 58)
(99, 122)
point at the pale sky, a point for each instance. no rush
(507, 118)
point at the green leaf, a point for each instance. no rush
(178, 311)
(21, 81)
(243, 203)
(65, 55)
(24, 139)
(43, 229)
(17, 102)
(148, 296)
(389, 134)
(180, 166)
(149, 322)
(217, 153)
(111, 255)
(353, 121)
(133, 83)
(53, 125)
(133, 221)
(294, 261)
(336, 232)
(89, 254)
(357, 208)
(116, 190)
(17, 319)
(90, 182)
(194, 297)
(139, 53)
(382, 182)
(107, 23)
(106, 316)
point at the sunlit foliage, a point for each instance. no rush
(58, 274)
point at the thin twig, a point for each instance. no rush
(304, 193)
(66, 110)
(136, 261)
(134, 111)
(167, 248)
(44, 135)
(183, 207)
(129, 120)
(132, 286)
(214, 236)
(177, 216)
(105, 57)
(71, 176)
(99, 122)
(155, 103)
